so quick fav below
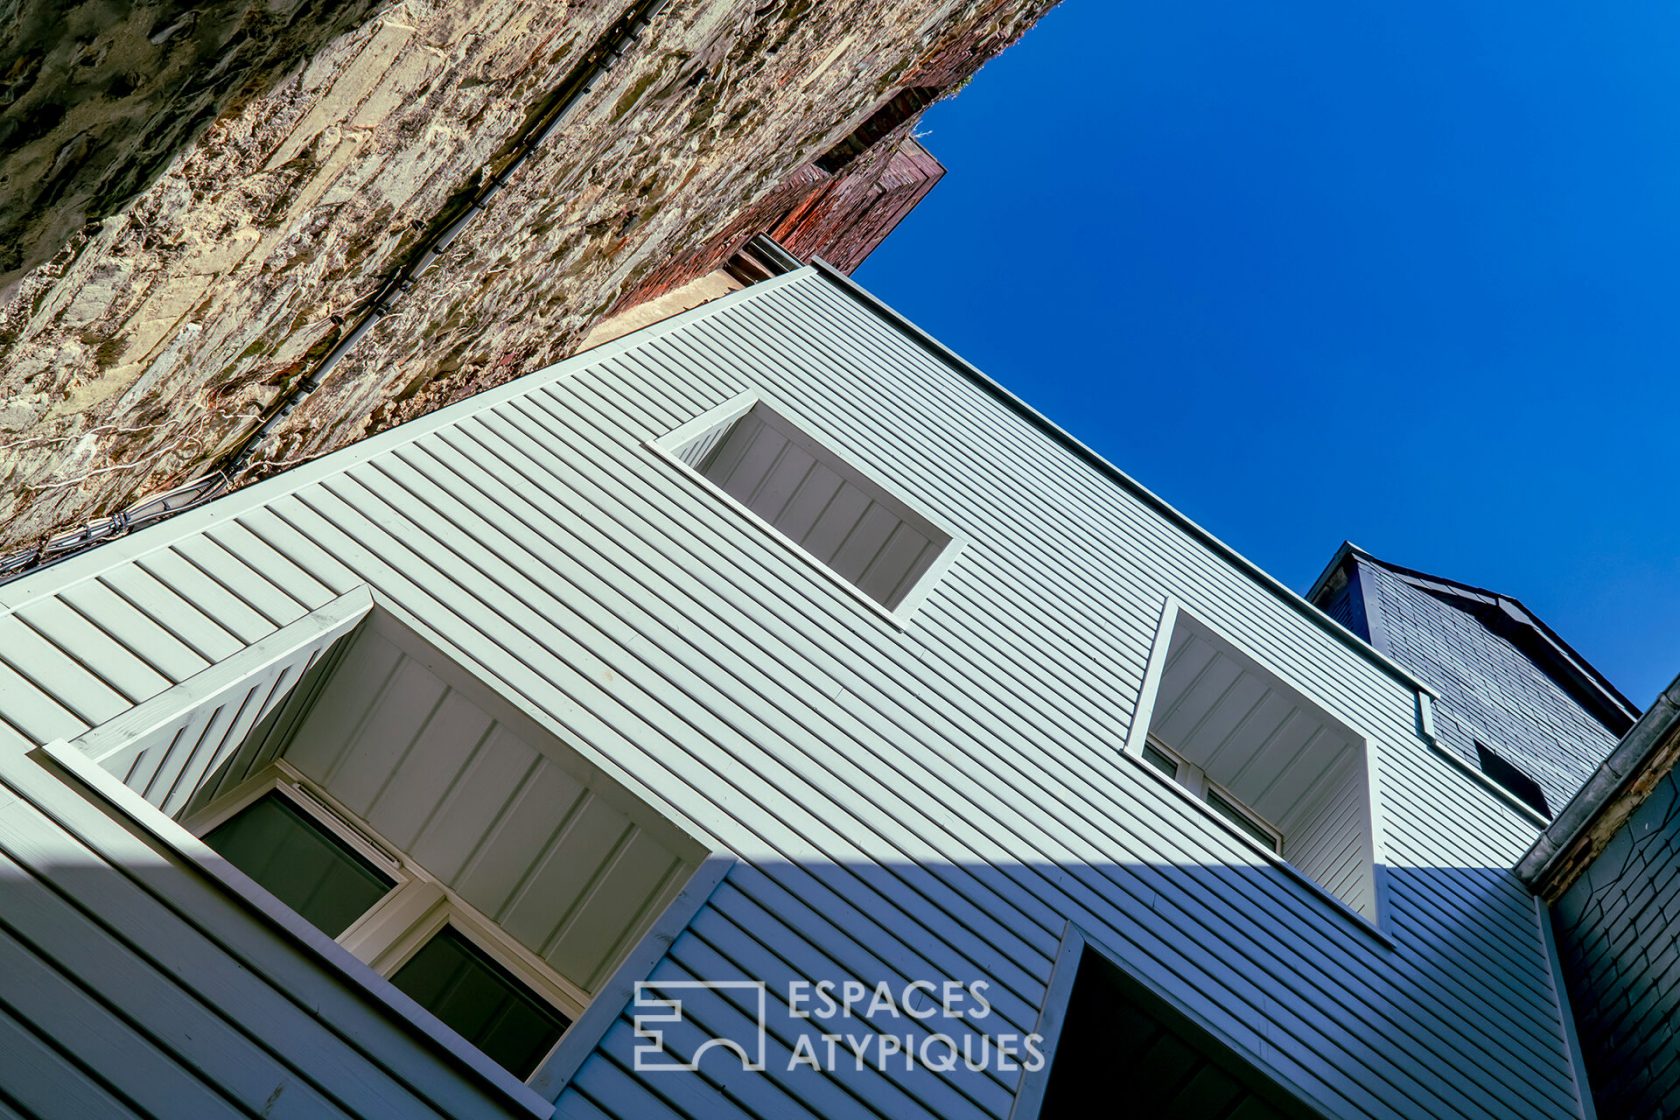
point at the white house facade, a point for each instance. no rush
(761, 715)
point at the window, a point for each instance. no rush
(1262, 758)
(1118, 1032)
(1225, 804)
(481, 1000)
(300, 862)
(832, 512)
(1512, 780)
(434, 948)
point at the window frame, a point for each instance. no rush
(284, 780)
(412, 912)
(1192, 778)
(668, 446)
(1376, 925)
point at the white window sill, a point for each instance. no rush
(1367, 925)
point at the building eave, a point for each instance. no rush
(1643, 758)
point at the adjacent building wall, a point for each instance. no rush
(1616, 933)
(291, 156)
(1490, 686)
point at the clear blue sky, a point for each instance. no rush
(1402, 274)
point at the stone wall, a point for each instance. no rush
(96, 98)
(148, 345)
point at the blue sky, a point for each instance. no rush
(1402, 274)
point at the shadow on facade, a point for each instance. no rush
(887, 990)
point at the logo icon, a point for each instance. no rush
(659, 1006)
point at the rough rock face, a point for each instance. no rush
(97, 97)
(151, 342)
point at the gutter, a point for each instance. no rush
(544, 118)
(1580, 831)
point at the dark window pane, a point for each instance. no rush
(481, 1001)
(1241, 819)
(300, 863)
(1161, 760)
(1520, 785)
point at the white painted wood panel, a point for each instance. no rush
(1329, 839)
(168, 747)
(562, 868)
(928, 801)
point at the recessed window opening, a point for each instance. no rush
(287, 837)
(415, 814)
(1512, 780)
(810, 495)
(1222, 802)
(1118, 1033)
(1263, 758)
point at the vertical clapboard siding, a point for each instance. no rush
(166, 748)
(926, 802)
(533, 847)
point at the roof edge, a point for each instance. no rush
(1582, 828)
(1346, 549)
(1091, 458)
(1580, 668)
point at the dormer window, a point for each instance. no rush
(834, 514)
(434, 947)
(388, 796)
(1263, 759)
(1226, 804)
(301, 861)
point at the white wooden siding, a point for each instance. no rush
(798, 486)
(557, 863)
(1329, 840)
(1278, 751)
(928, 802)
(166, 748)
